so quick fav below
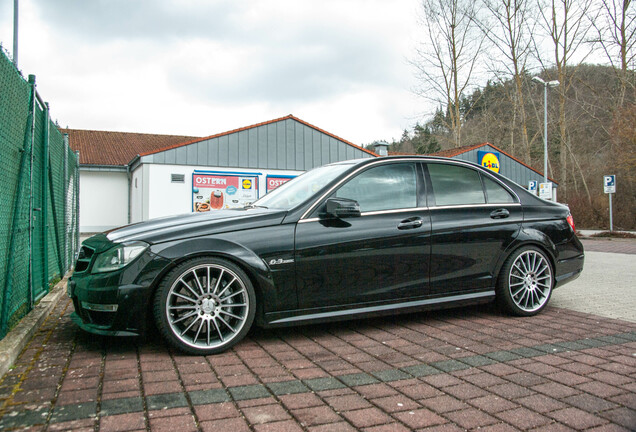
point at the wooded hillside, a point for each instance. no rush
(591, 108)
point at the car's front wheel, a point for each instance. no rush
(525, 283)
(205, 306)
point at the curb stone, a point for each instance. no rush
(15, 341)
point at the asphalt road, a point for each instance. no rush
(607, 287)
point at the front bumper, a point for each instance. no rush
(93, 308)
(114, 303)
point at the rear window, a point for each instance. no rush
(455, 185)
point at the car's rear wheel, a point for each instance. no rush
(205, 306)
(525, 283)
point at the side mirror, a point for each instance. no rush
(342, 207)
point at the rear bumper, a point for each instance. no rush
(569, 269)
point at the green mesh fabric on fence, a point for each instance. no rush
(38, 198)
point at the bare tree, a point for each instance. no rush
(616, 29)
(567, 24)
(509, 25)
(446, 61)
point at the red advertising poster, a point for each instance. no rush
(275, 181)
(223, 191)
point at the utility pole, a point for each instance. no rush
(15, 32)
(545, 122)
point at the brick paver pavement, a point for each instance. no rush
(623, 246)
(460, 369)
(463, 368)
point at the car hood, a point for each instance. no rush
(196, 225)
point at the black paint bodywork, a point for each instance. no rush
(307, 266)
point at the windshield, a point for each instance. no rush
(302, 187)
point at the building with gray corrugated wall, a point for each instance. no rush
(130, 177)
(143, 176)
(230, 169)
(508, 165)
(287, 143)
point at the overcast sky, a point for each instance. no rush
(190, 67)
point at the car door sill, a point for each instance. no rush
(357, 312)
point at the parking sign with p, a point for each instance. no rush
(609, 184)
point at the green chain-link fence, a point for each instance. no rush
(39, 204)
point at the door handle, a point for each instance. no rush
(500, 214)
(410, 223)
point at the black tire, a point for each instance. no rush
(525, 283)
(204, 306)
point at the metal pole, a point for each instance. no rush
(610, 205)
(45, 199)
(77, 208)
(15, 33)
(65, 203)
(545, 132)
(31, 215)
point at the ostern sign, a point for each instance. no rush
(489, 160)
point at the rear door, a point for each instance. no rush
(473, 220)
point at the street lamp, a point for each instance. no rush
(546, 84)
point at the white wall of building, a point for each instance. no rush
(103, 200)
(155, 195)
(138, 195)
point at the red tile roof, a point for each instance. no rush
(459, 150)
(116, 148)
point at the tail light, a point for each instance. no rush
(570, 220)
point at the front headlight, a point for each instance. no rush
(118, 256)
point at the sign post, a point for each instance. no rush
(609, 186)
(533, 185)
(545, 191)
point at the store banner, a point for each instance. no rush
(223, 191)
(489, 160)
(275, 181)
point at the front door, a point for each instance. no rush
(381, 256)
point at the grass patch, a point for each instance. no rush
(54, 281)
(614, 234)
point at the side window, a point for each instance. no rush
(455, 185)
(386, 187)
(496, 193)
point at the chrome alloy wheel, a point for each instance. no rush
(530, 281)
(207, 306)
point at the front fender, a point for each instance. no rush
(275, 289)
(182, 250)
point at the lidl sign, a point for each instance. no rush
(489, 160)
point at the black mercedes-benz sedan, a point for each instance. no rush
(346, 240)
